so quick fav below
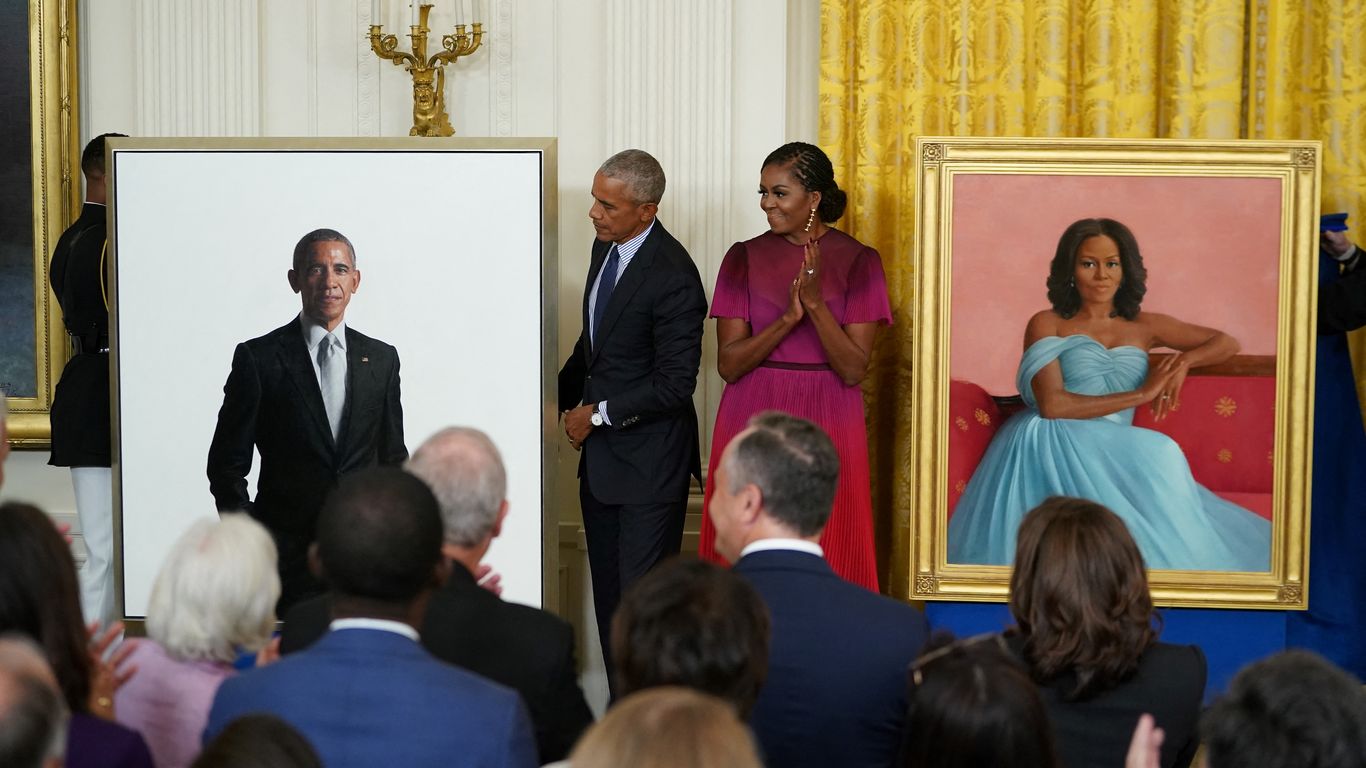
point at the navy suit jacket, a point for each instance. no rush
(836, 689)
(372, 698)
(524, 648)
(644, 364)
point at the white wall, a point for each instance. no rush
(707, 86)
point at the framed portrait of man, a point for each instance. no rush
(1129, 322)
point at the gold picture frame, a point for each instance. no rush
(963, 190)
(56, 194)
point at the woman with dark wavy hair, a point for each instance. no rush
(1084, 371)
(797, 310)
(1086, 629)
(39, 597)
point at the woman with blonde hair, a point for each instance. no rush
(213, 600)
(668, 727)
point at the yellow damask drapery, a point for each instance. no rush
(1189, 69)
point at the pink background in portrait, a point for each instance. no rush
(1211, 246)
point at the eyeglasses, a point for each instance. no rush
(916, 671)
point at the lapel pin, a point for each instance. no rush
(365, 359)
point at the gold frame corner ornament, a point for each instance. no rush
(56, 189)
(1296, 165)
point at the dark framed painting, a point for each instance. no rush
(39, 195)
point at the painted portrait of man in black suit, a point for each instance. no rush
(316, 398)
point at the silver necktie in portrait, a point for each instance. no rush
(332, 380)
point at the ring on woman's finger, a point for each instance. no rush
(1166, 397)
(810, 271)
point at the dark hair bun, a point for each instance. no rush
(833, 202)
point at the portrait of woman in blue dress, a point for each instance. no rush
(1084, 371)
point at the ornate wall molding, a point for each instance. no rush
(198, 68)
(670, 94)
(367, 76)
(502, 84)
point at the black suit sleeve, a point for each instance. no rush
(391, 449)
(305, 623)
(679, 313)
(1342, 303)
(1199, 671)
(572, 377)
(560, 714)
(234, 438)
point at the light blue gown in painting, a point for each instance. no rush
(1140, 474)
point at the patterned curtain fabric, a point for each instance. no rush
(892, 70)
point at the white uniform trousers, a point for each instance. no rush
(95, 508)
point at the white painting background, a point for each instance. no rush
(449, 248)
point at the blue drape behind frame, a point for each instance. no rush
(1335, 624)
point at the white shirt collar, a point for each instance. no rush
(788, 545)
(314, 333)
(626, 250)
(378, 625)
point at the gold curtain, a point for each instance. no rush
(1192, 69)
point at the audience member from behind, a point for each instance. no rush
(379, 548)
(214, 598)
(39, 598)
(694, 624)
(668, 727)
(836, 688)
(259, 741)
(32, 716)
(974, 706)
(1291, 710)
(1086, 630)
(529, 650)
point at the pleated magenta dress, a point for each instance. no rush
(753, 285)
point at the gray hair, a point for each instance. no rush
(642, 173)
(216, 592)
(33, 715)
(794, 465)
(465, 472)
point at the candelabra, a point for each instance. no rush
(429, 74)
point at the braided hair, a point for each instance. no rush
(813, 170)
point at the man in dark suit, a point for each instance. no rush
(317, 399)
(367, 694)
(836, 689)
(521, 647)
(1342, 297)
(626, 391)
(80, 406)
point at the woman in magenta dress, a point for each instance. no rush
(797, 309)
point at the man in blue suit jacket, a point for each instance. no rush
(836, 689)
(367, 694)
